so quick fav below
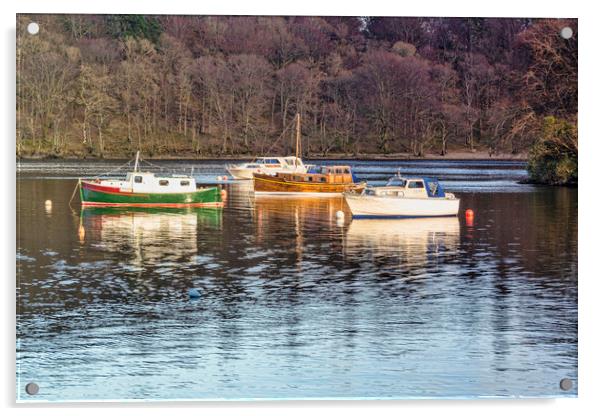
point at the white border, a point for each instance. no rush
(589, 230)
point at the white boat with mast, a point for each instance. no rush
(270, 165)
(403, 197)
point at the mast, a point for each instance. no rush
(298, 144)
(136, 164)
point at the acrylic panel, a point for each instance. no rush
(300, 207)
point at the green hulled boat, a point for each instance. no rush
(145, 189)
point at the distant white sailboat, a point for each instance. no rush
(267, 166)
(272, 165)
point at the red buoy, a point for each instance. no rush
(469, 217)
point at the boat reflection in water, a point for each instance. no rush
(149, 235)
(307, 214)
(413, 240)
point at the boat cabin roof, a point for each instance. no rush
(276, 160)
(340, 169)
(431, 185)
(268, 160)
(152, 175)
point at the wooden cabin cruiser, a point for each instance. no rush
(268, 166)
(403, 198)
(318, 181)
(145, 189)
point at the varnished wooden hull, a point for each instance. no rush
(266, 184)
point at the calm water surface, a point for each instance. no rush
(296, 304)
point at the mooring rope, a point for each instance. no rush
(74, 190)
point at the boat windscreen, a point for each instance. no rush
(395, 181)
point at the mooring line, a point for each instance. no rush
(73, 194)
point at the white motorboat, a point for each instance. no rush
(272, 165)
(403, 198)
(267, 166)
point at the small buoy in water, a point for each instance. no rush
(48, 205)
(469, 217)
(224, 194)
(340, 215)
(194, 293)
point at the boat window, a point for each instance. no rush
(138, 179)
(370, 192)
(322, 179)
(347, 170)
(184, 183)
(415, 184)
(163, 182)
(274, 161)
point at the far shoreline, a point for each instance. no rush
(456, 156)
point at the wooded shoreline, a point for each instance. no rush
(231, 87)
(395, 156)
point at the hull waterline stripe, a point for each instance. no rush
(285, 182)
(152, 205)
(382, 217)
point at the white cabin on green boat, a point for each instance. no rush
(148, 182)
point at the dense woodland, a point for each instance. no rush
(220, 86)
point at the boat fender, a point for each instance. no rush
(340, 215)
